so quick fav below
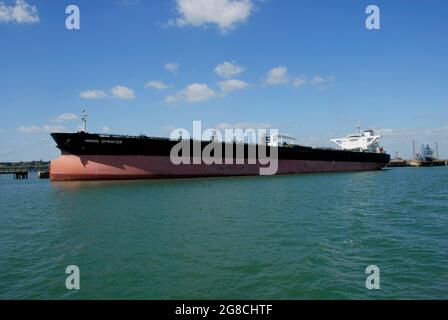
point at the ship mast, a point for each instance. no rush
(414, 155)
(214, 135)
(437, 150)
(84, 121)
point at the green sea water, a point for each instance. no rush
(285, 237)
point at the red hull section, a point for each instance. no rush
(71, 167)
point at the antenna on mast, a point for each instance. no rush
(437, 150)
(414, 155)
(214, 135)
(358, 126)
(84, 121)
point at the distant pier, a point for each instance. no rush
(434, 163)
(21, 175)
(18, 173)
(396, 163)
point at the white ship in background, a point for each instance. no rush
(364, 141)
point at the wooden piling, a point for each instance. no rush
(21, 175)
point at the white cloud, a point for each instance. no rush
(169, 128)
(171, 99)
(30, 129)
(21, 12)
(277, 76)
(46, 128)
(400, 139)
(299, 81)
(172, 67)
(122, 92)
(55, 128)
(195, 92)
(224, 13)
(227, 86)
(66, 117)
(93, 94)
(158, 85)
(228, 69)
(106, 130)
(318, 80)
(413, 133)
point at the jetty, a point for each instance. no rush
(433, 163)
(416, 163)
(20, 170)
(18, 173)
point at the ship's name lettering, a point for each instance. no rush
(92, 141)
(112, 141)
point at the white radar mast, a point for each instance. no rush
(84, 121)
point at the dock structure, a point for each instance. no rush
(425, 158)
(416, 163)
(421, 163)
(21, 170)
(398, 163)
(18, 173)
(21, 175)
(43, 174)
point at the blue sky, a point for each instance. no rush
(309, 68)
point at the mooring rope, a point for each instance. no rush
(29, 146)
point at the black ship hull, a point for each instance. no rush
(95, 157)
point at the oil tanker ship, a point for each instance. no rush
(88, 156)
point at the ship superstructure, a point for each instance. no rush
(364, 141)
